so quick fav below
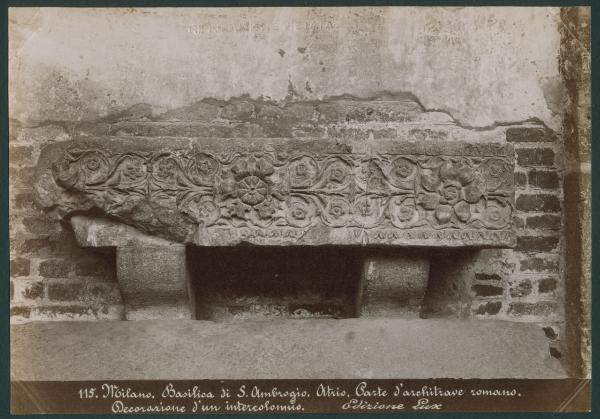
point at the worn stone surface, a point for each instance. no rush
(394, 286)
(351, 348)
(154, 282)
(483, 65)
(289, 191)
(101, 232)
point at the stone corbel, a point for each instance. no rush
(152, 272)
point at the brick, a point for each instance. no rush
(24, 200)
(531, 244)
(535, 157)
(19, 154)
(19, 267)
(522, 289)
(537, 264)
(487, 277)
(538, 203)
(107, 293)
(492, 307)
(530, 134)
(40, 225)
(520, 178)
(20, 311)
(546, 285)
(544, 222)
(543, 179)
(33, 245)
(92, 267)
(541, 308)
(34, 290)
(519, 222)
(64, 243)
(487, 290)
(22, 175)
(54, 268)
(68, 291)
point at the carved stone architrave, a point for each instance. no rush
(223, 192)
(283, 192)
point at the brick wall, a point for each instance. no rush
(52, 278)
(528, 286)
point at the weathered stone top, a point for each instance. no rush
(286, 191)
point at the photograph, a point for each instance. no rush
(351, 209)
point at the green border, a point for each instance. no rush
(4, 249)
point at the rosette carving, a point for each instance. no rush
(287, 189)
(449, 189)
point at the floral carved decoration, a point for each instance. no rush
(264, 189)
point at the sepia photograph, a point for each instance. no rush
(299, 209)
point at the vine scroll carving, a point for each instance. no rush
(278, 192)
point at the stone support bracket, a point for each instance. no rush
(393, 286)
(152, 272)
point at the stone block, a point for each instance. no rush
(154, 282)
(223, 192)
(100, 232)
(393, 286)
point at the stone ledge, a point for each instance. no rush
(351, 348)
